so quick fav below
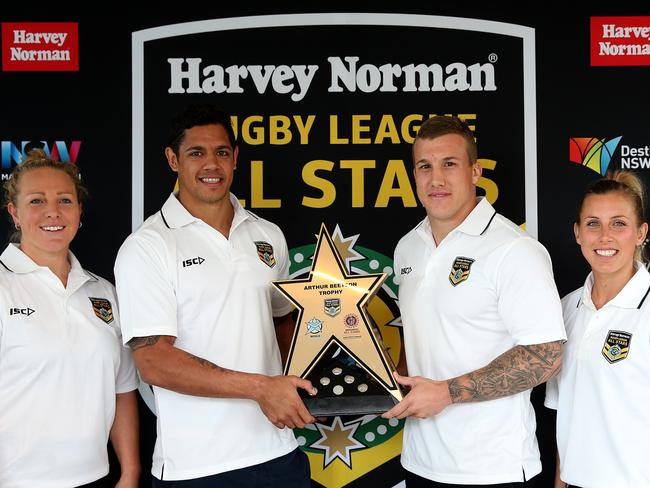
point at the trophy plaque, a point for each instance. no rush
(336, 345)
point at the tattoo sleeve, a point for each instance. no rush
(519, 369)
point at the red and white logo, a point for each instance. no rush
(40, 46)
(620, 41)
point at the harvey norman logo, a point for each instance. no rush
(490, 56)
(620, 41)
(40, 46)
(192, 75)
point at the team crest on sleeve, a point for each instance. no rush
(102, 308)
(617, 345)
(460, 270)
(265, 253)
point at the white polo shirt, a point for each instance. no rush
(486, 288)
(602, 395)
(178, 276)
(61, 364)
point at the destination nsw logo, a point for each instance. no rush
(592, 152)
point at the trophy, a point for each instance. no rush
(336, 344)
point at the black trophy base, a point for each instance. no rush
(361, 405)
(344, 388)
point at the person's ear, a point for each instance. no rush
(642, 234)
(172, 160)
(477, 171)
(13, 212)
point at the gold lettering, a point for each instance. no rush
(358, 167)
(257, 188)
(325, 186)
(395, 170)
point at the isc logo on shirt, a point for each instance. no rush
(190, 262)
(22, 311)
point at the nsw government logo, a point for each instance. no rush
(592, 152)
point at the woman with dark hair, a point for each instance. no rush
(66, 382)
(603, 391)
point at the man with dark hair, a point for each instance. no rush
(193, 115)
(482, 326)
(202, 318)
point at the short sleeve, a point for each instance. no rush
(528, 300)
(126, 379)
(552, 393)
(396, 266)
(280, 305)
(145, 290)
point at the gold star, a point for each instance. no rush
(337, 441)
(345, 247)
(332, 305)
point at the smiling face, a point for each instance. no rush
(205, 164)
(608, 233)
(445, 180)
(47, 211)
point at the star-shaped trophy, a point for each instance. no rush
(336, 345)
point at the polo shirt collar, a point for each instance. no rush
(475, 223)
(424, 230)
(175, 215)
(479, 219)
(633, 294)
(16, 261)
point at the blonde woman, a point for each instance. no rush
(66, 382)
(603, 391)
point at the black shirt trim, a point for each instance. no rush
(642, 300)
(164, 220)
(488, 224)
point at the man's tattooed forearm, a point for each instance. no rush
(519, 369)
(139, 342)
(204, 362)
